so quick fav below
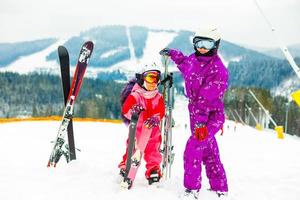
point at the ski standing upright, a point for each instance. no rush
(65, 79)
(59, 147)
(167, 123)
(132, 163)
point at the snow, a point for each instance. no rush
(112, 52)
(286, 87)
(130, 45)
(155, 42)
(35, 62)
(258, 165)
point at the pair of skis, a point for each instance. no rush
(70, 94)
(167, 122)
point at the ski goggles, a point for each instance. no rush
(205, 43)
(151, 76)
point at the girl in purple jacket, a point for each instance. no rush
(206, 80)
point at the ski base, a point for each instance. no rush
(135, 163)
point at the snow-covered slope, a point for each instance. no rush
(287, 86)
(155, 41)
(35, 62)
(258, 165)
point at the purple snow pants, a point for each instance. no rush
(206, 152)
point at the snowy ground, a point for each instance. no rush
(258, 165)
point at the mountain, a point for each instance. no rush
(121, 51)
(293, 49)
(268, 74)
(11, 52)
(276, 52)
(114, 44)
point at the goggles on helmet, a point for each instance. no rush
(205, 43)
(151, 76)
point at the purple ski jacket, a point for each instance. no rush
(206, 80)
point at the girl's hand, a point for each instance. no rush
(152, 122)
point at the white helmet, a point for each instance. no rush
(149, 67)
(211, 32)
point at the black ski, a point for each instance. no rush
(65, 78)
(127, 183)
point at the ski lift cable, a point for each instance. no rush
(283, 47)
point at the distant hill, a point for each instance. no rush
(12, 51)
(293, 49)
(112, 46)
(276, 52)
(119, 49)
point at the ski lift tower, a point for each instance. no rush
(278, 129)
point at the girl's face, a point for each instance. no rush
(151, 79)
(202, 50)
(150, 86)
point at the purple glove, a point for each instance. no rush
(137, 108)
(152, 122)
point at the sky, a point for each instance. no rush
(239, 21)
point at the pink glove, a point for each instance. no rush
(137, 108)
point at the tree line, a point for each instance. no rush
(41, 95)
(280, 108)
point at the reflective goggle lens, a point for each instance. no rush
(151, 77)
(206, 44)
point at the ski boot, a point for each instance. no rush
(154, 177)
(221, 195)
(121, 176)
(190, 194)
(122, 173)
(126, 183)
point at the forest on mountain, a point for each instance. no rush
(35, 95)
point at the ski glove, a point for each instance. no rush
(201, 132)
(165, 52)
(152, 122)
(168, 78)
(137, 109)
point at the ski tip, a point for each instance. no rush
(62, 51)
(62, 48)
(89, 45)
(89, 42)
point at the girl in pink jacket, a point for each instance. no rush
(146, 100)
